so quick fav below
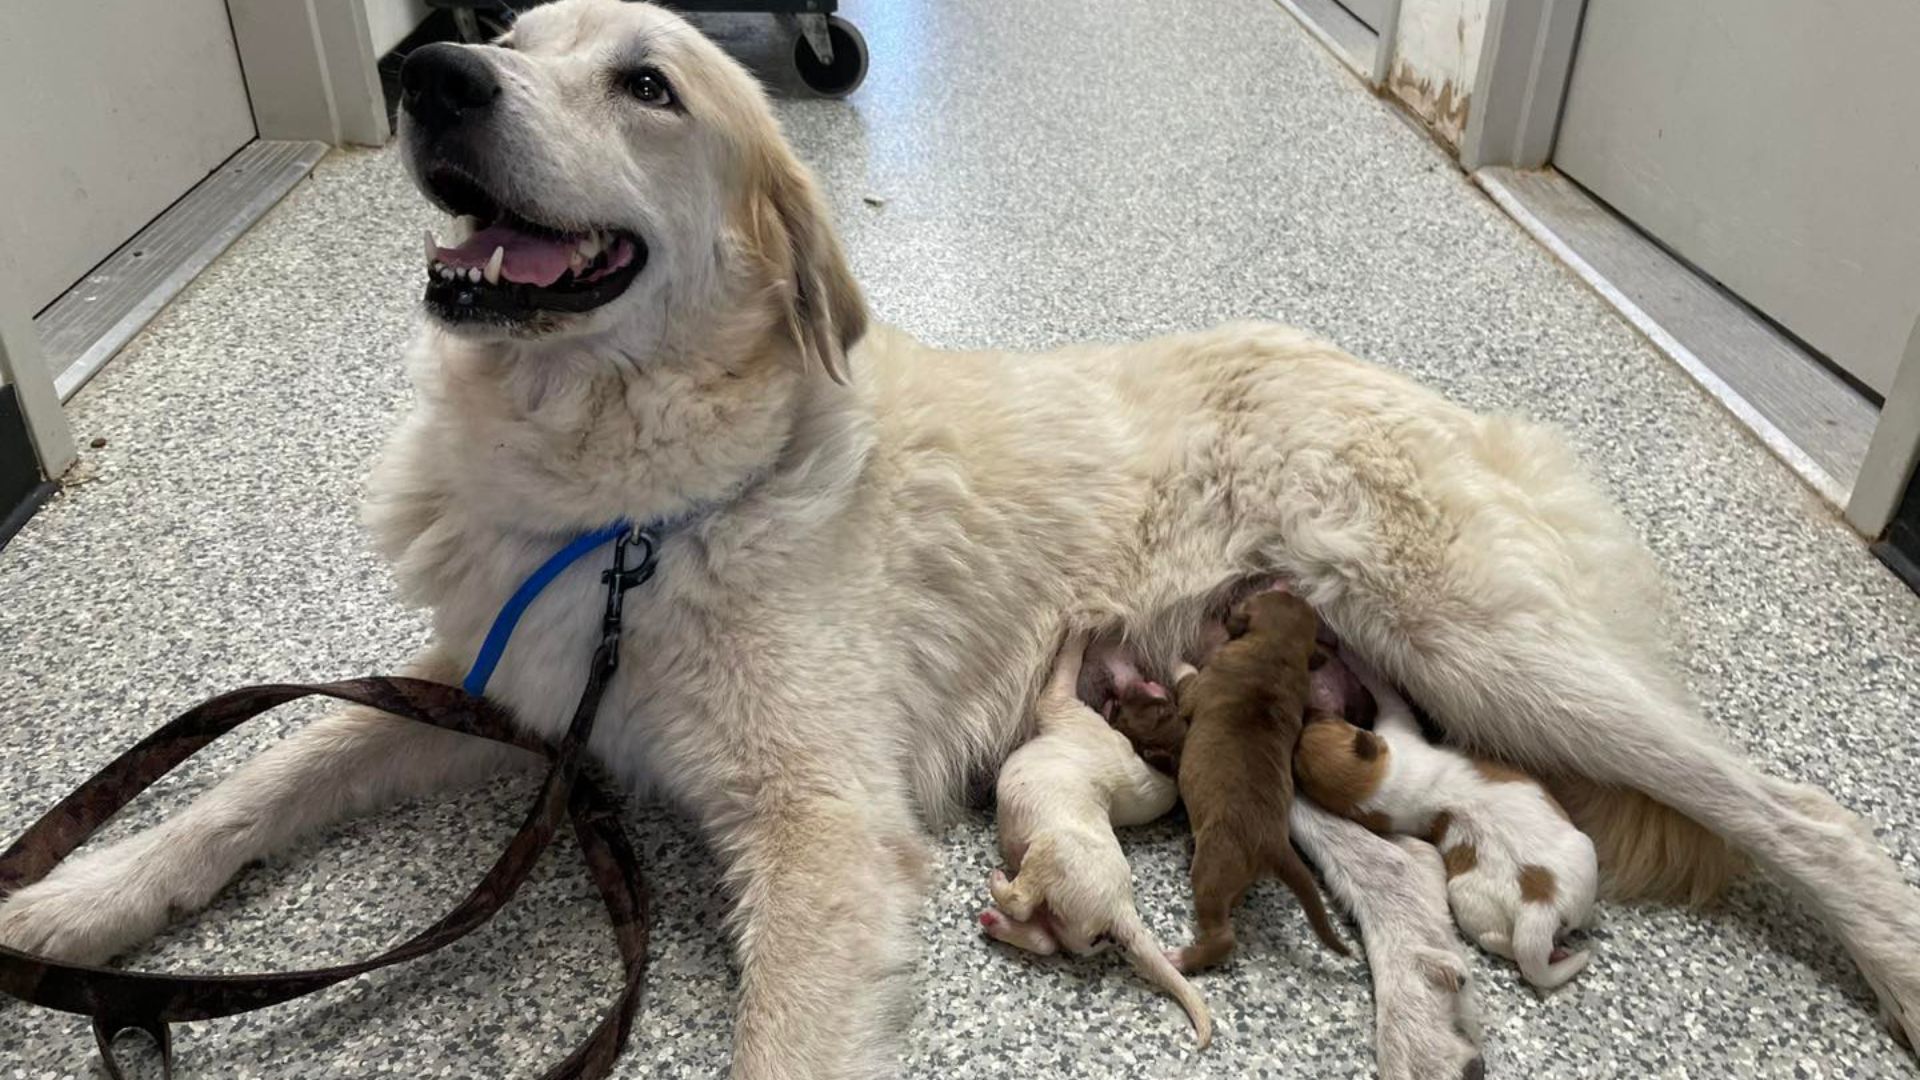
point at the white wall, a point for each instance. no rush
(1435, 57)
(391, 20)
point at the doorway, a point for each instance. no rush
(1771, 144)
(127, 105)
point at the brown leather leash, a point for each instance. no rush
(119, 1001)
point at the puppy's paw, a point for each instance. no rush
(1031, 936)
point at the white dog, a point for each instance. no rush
(1060, 796)
(1517, 870)
(873, 544)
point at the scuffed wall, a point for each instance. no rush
(1435, 56)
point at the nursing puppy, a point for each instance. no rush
(1060, 795)
(1236, 771)
(1517, 870)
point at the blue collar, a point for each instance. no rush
(652, 535)
(502, 630)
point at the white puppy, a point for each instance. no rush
(1060, 796)
(1517, 869)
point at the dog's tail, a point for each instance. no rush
(1648, 850)
(1534, 930)
(1137, 940)
(1292, 871)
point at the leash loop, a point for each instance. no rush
(106, 1032)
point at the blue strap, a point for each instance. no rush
(523, 597)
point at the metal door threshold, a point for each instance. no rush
(1808, 416)
(90, 322)
(1350, 40)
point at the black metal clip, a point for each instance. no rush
(623, 577)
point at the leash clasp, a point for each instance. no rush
(623, 577)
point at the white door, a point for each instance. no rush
(109, 111)
(1774, 144)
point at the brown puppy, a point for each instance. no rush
(1150, 719)
(1243, 715)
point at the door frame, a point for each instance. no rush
(311, 74)
(24, 370)
(1521, 85)
(310, 70)
(1519, 94)
(1893, 458)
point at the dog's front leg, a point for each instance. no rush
(104, 901)
(1397, 891)
(829, 883)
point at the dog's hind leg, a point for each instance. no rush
(1222, 873)
(1396, 890)
(1031, 935)
(351, 762)
(1018, 896)
(1580, 702)
(1292, 871)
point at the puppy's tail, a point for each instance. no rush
(1292, 870)
(1154, 966)
(1534, 930)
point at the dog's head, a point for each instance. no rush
(1338, 765)
(613, 175)
(1279, 614)
(1151, 720)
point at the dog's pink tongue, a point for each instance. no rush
(530, 260)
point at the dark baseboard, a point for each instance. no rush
(1900, 547)
(24, 510)
(22, 489)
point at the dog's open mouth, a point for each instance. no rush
(495, 265)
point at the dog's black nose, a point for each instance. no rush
(440, 83)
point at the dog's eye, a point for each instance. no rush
(647, 86)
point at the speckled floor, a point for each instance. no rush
(1048, 172)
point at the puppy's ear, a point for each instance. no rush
(823, 309)
(1367, 745)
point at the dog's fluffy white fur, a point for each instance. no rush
(898, 537)
(1059, 797)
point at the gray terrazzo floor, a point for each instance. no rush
(1048, 172)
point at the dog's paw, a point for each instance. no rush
(89, 909)
(1426, 1022)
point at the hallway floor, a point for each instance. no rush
(1015, 174)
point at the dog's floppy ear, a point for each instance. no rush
(823, 310)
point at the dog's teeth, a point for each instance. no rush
(433, 249)
(473, 274)
(493, 265)
(590, 246)
(576, 262)
(460, 230)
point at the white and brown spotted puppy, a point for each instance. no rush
(1517, 869)
(1060, 795)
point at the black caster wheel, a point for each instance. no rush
(842, 75)
(477, 27)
